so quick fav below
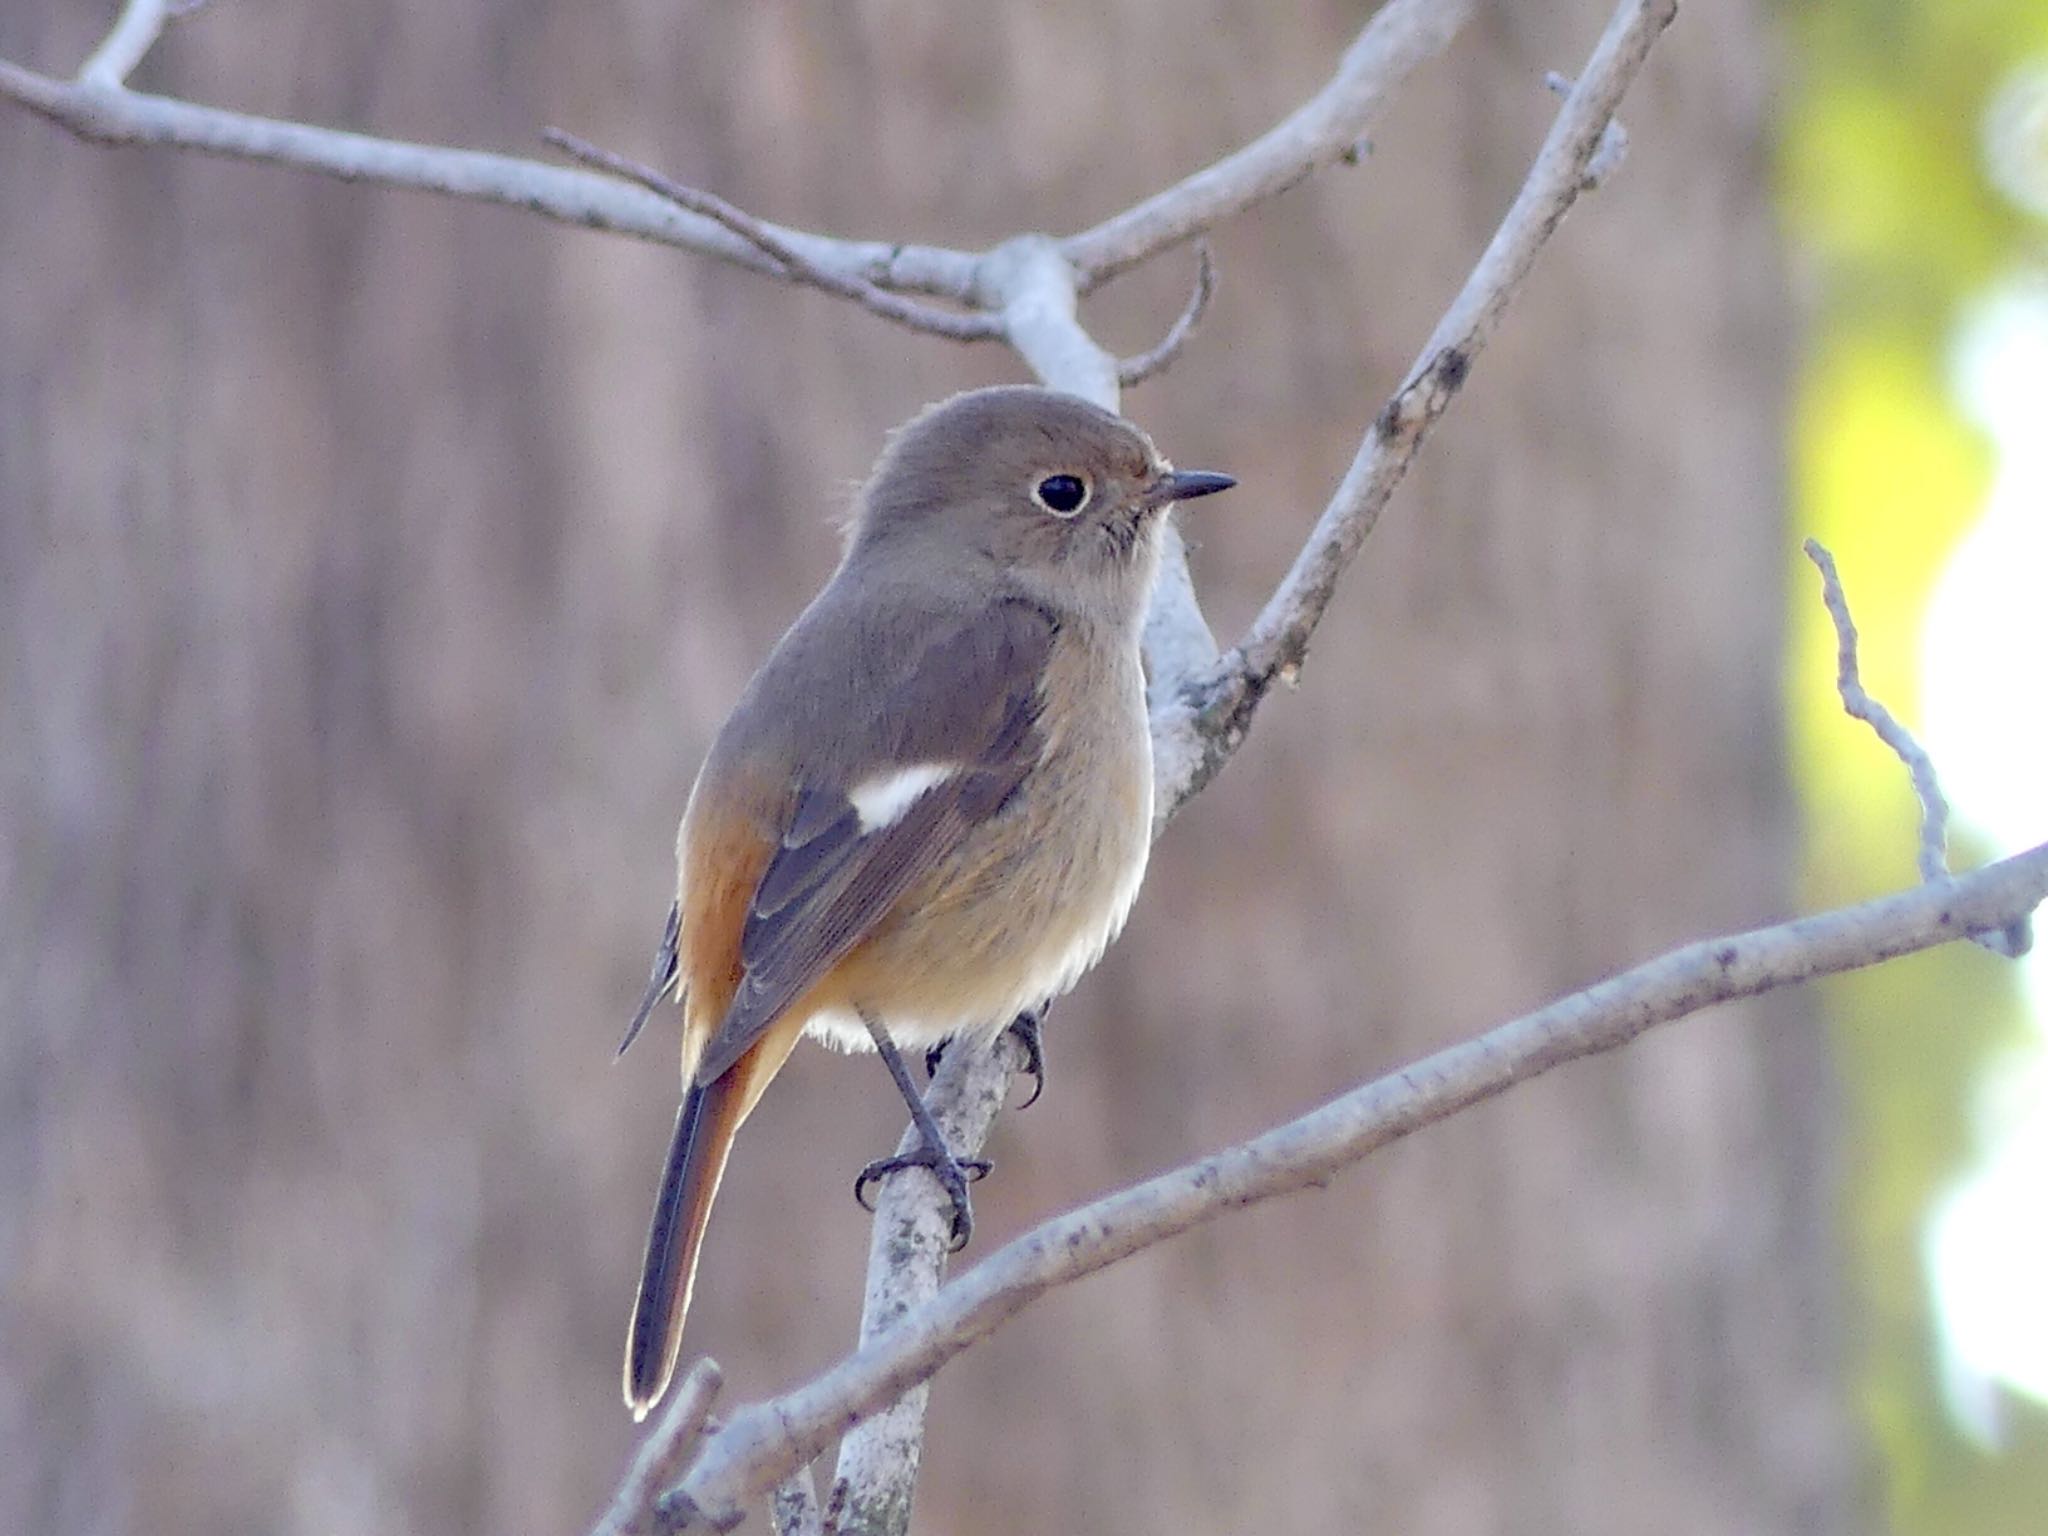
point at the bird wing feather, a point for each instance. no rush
(969, 700)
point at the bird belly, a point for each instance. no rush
(1026, 906)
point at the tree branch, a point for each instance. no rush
(907, 1253)
(1319, 133)
(1035, 286)
(1209, 720)
(1136, 370)
(97, 107)
(663, 1454)
(747, 1457)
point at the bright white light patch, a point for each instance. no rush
(1987, 1259)
(1984, 659)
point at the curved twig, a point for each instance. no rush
(1135, 370)
(2011, 942)
(790, 261)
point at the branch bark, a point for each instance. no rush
(663, 1455)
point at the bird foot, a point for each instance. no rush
(953, 1173)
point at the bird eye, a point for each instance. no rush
(1061, 495)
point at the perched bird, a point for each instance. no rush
(930, 810)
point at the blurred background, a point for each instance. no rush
(373, 570)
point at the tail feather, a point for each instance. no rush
(705, 1126)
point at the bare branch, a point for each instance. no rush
(790, 262)
(663, 1455)
(1322, 131)
(102, 111)
(878, 1459)
(2010, 942)
(763, 1442)
(1136, 370)
(97, 107)
(1215, 712)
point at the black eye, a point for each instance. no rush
(1061, 494)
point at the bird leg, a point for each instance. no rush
(953, 1173)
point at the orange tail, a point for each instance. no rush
(705, 1126)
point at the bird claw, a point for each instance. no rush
(953, 1173)
(1029, 1028)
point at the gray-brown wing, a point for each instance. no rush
(970, 699)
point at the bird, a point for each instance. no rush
(930, 810)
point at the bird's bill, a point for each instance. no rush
(1185, 485)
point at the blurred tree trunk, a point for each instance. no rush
(374, 568)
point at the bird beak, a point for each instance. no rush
(1185, 485)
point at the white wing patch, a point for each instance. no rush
(881, 800)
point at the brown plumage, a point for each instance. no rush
(930, 809)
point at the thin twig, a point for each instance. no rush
(1857, 702)
(790, 261)
(1135, 370)
(662, 1455)
(1216, 712)
(764, 1441)
(1613, 147)
(135, 32)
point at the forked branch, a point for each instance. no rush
(97, 105)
